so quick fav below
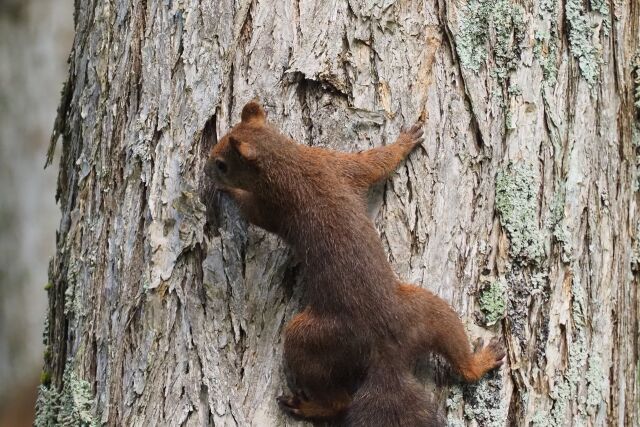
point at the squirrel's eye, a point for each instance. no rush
(221, 165)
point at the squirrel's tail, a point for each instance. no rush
(390, 397)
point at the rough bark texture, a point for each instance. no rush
(520, 209)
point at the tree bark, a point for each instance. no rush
(520, 209)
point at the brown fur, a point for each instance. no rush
(350, 353)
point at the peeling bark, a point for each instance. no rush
(171, 307)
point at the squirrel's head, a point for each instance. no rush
(236, 160)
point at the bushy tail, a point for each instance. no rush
(391, 398)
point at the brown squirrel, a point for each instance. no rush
(350, 354)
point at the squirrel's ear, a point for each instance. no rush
(253, 113)
(247, 151)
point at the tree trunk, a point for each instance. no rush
(520, 209)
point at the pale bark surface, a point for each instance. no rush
(520, 209)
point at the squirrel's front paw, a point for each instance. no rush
(412, 136)
(492, 355)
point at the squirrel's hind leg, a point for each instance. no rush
(437, 328)
(323, 364)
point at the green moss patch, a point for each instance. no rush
(476, 21)
(493, 303)
(546, 52)
(483, 403)
(582, 35)
(517, 204)
(72, 406)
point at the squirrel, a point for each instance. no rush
(350, 354)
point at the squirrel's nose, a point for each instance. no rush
(210, 169)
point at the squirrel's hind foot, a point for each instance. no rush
(301, 407)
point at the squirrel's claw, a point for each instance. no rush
(414, 134)
(498, 350)
(290, 404)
